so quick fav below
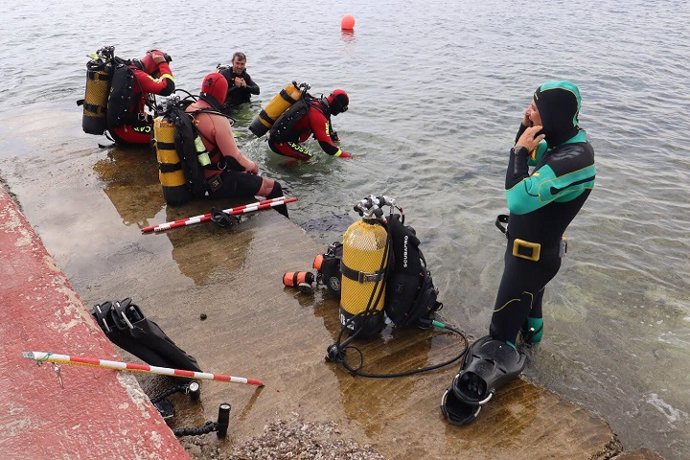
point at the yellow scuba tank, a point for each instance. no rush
(275, 108)
(170, 171)
(182, 155)
(99, 73)
(364, 262)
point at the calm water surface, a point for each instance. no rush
(437, 90)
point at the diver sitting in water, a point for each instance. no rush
(231, 174)
(240, 84)
(542, 204)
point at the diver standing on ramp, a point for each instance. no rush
(542, 204)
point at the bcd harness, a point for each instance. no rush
(283, 128)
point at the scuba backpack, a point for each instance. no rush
(281, 102)
(181, 153)
(379, 268)
(121, 96)
(410, 292)
(282, 130)
(384, 279)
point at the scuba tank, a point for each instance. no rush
(366, 251)
(170, 172)
(99, 74)
(275, 108)
(181, 153)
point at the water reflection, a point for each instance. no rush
(203, 252)
(370, 400)
(347, 36)
(130, 178)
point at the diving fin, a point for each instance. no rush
(456, 411)
(489, 365)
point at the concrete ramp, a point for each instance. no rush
(258, 328)
(52, 412)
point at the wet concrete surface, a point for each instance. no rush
(88, 206)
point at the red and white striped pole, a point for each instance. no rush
(242, 209)
(40, 356)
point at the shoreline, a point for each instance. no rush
(263, 412)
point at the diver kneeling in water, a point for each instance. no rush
(542, 205)
(231, 174)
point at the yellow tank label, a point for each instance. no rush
(167, 156)
(172, 179)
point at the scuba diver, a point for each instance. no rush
(240, 84)
(132, 83)
(542, 204)
(306, 117)
(230, 174)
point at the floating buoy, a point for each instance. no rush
(348, 22)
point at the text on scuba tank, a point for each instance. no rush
(405, 251)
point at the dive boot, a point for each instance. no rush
(532, 331)
(489, 364)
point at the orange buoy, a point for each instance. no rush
(348, 22)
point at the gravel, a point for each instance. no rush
(291, 438)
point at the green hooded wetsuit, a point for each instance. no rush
(542, 204)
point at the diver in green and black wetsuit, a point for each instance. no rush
(542, 204)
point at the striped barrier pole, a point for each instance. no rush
(242, 209)
(40, 356)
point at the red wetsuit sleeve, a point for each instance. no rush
(164, 85)
(320, 128)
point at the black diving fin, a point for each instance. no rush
(489, 365)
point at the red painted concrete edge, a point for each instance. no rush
(78, 412)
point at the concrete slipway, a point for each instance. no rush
(88, 214)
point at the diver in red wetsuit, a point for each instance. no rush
(128, 122)
(306, 117)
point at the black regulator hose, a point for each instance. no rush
(358, 372)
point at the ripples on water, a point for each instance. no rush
(437, 89)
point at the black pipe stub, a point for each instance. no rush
(223, 419)
(194, 390)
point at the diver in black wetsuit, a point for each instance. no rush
(542, 204)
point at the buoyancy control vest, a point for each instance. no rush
(277, 106)
(121, 97)
(181, 154)
(283, 128)
(410, 292)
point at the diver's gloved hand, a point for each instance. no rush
(344, 154)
